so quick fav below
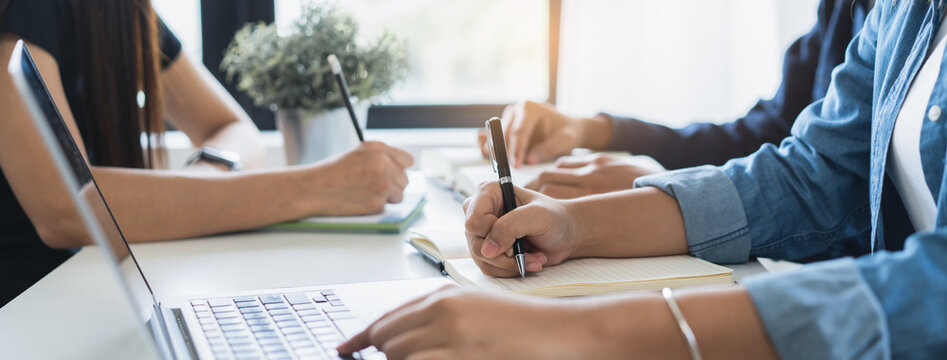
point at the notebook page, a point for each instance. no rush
(448, 244)
(393, 213)
(595, 271)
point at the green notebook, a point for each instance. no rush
(394, 219)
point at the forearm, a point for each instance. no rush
(240, 137)
(724, 322)
(159, 205)
(632, 223)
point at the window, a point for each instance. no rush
(183, 17)
(460, 52)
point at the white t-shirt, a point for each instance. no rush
(905, 154)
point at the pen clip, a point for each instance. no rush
(493, 158)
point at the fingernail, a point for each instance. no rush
(542, 259)
(533, 266)
(489, 248)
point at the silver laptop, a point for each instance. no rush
(296, 323)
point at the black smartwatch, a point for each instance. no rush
(206, 153)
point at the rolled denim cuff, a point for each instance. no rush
(714, 220)
(821, 311)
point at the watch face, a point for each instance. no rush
(228, 158)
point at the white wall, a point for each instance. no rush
(675, 61)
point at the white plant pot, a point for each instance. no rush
(309, 137)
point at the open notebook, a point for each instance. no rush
(393, 219)
(574, 277)
(462, 169)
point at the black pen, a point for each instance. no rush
(501, 165)
(344, 89)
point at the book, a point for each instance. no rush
(462, 169)
(576, 277)
(393, 219)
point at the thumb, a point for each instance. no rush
(555, 146)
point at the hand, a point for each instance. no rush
(460, 324)
(537, 133)
(544, 222)
(361, 181)
(587, 175)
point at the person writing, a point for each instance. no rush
(117, 73)
(539, 133)
(883, 114)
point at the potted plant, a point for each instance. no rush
(289, 74)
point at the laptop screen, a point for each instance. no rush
(78, 179)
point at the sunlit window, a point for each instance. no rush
(466, 51)
(184, 19)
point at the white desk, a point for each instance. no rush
(77, 311)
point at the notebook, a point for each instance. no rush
(394, 219)
(462, 169)
(579, 277)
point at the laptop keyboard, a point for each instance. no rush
(278, 326)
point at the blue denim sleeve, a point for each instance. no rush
(714, 220)
(871, 308)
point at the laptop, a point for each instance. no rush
(288, 323)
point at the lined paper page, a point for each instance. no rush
(597, 272)
(442, 244)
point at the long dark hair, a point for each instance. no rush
(117, 63)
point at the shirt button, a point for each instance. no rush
(934, 113)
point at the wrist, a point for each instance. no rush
(596, 132)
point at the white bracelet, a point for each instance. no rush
(686, 329)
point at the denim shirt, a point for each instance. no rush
(823, 183)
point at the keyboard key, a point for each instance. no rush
(203, 315)
(319, 324)
(258, 315)
(342, 316)
(337, 309)
(297, 337)
(309, 312)
(252, 322)
(292, 330)
(278, 354)
(201, 308)
(276, 306)
(329, 339)
(273, 347)
(281, 318)
(350, 327)
(323, 331)
(336, 303)
(250, 310)
(269, 340)
(313, 318)
(230, 321)
(226, 315)
(327, 292)
(232, 328)
(222, 309)
(267, 337)
(207, 320)
(259, 328)
(301, 343)
(333, 297)
(271, 299)
(241, 299)
(297, 298)
(287, 323)
(244, 305)
(243, 349)
(198, 302)
(320, 299)
(220, 302)
(281, 312)
(209, 326)
(306, 306)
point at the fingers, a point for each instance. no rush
(521, 222)
(412, 341)
(482, 140)
(363, 339)
(400, 157)
(560, 176)
(564, 191)
(572, 162)
(549, 149)
(521, 131)
(483, 208)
